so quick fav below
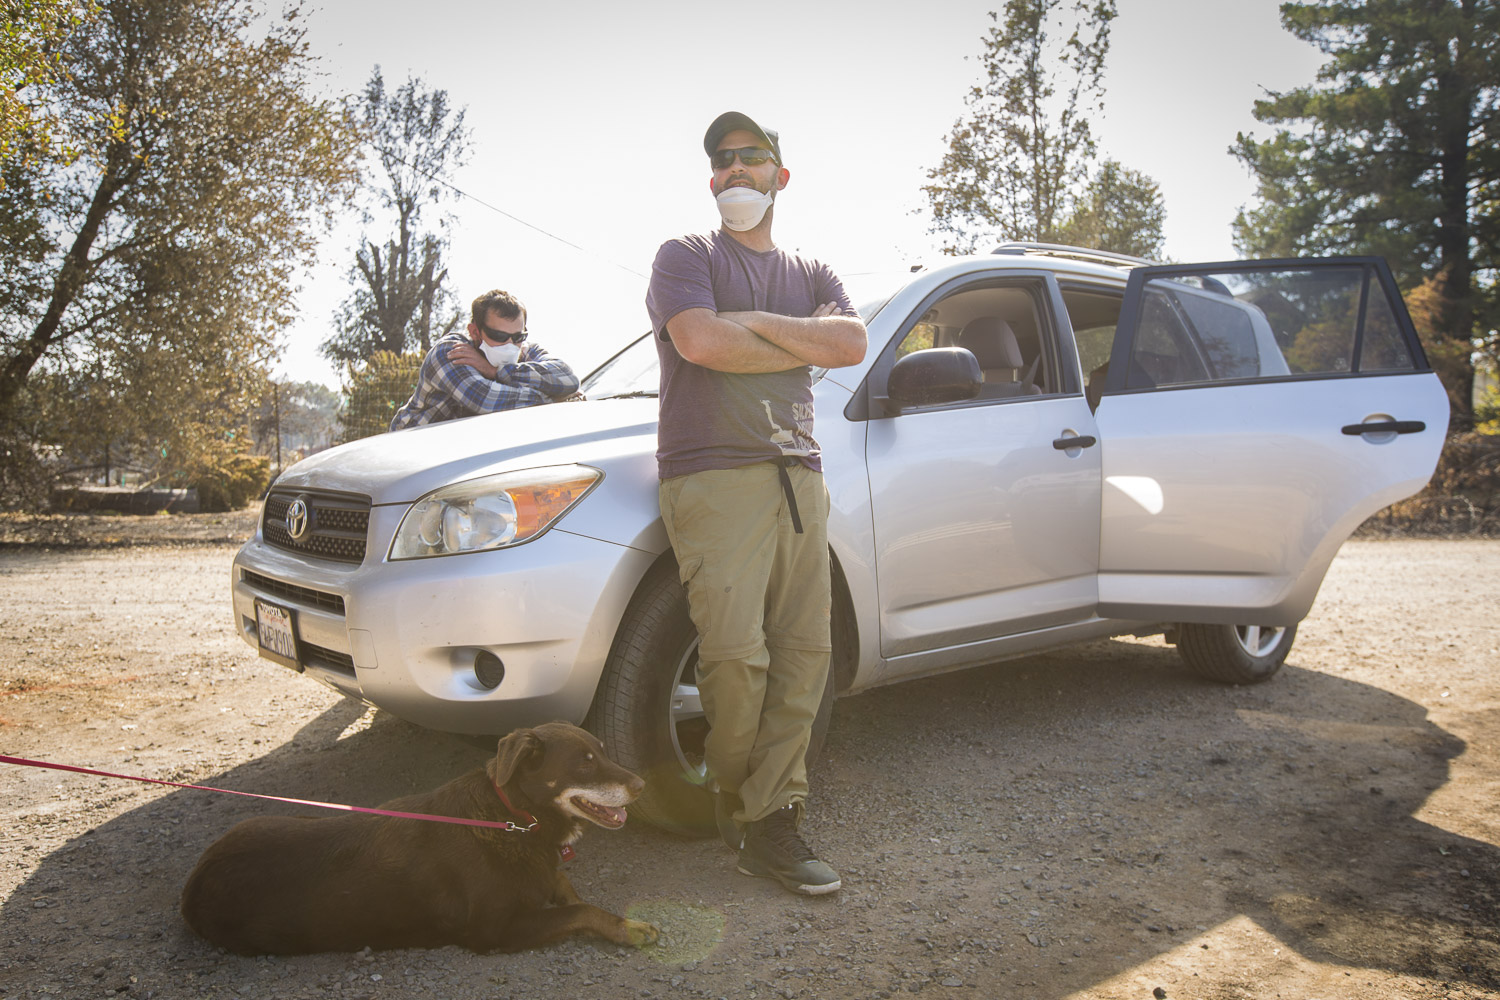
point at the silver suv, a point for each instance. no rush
(1043, 445)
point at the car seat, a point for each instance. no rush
(993, 344)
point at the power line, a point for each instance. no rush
(516, 218)
(528, 225)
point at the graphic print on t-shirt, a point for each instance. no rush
(798, 441)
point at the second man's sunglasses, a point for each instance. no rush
(501, 337)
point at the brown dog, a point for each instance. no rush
(288, 886)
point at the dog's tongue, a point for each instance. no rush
(616, 815)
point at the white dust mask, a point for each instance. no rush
(500, 354)
(742, 208)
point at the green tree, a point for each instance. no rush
(30, 33)
(399, 301)
(1121, 211)
(1392, 151)
(153, 265)
(1020, 155)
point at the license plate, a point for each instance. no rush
(276, 631)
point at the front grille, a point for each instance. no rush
(337, 524)
(328, 659)
(292, 592)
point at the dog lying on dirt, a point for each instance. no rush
(290, 885)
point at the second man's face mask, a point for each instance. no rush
(500, 354)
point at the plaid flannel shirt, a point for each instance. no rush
(446, 390)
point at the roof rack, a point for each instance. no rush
(1073, 253)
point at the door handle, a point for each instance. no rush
(1081, 441)
(1387, 427)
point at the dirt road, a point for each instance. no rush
(1093, 823)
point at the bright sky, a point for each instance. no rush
(588, 120)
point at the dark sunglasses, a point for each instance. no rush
(500, 337)
(750, 156)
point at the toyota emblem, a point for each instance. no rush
(296, 519)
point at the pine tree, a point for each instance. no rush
(1393, 151)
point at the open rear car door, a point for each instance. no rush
(1253, 415)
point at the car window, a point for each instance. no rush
(1383, 347)
(1264, 323)
(1094, 316)
(1226, 333)
(1002, 326)
(922, 335)
(1094, 345)
(1165, 352)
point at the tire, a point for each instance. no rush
(1235, 654)
(647, 713)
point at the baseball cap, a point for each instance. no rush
(731, 121)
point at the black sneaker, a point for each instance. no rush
(774, 849)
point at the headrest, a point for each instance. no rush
(992, 342)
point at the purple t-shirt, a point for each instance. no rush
(723, 420)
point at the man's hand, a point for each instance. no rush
(468, 354)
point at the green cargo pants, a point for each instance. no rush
(758, 593)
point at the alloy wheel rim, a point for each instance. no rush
(1258, 640)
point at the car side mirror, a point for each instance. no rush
(936, 375)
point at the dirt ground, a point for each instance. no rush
(1092, 823)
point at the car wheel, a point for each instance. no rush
(1235, 654)
(648, 713)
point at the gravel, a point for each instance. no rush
(1089, 823)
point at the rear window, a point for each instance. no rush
(1265, 323)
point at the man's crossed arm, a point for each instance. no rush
(750, 342)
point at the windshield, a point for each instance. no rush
(634, 370)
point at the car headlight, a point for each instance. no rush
(491, 512)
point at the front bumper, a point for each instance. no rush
(407, 634)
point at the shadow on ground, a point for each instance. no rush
(1074, 814)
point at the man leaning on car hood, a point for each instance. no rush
(492, 368)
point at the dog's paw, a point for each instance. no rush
(641, 933)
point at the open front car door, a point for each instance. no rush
(1253, 414)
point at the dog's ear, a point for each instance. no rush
(512, 752)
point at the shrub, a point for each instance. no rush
(25, 479)
(228, 479)
(1463, 497)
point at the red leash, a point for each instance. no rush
(277, 798)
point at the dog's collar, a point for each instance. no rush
(565, 852)
(529, 819)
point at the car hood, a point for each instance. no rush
(403, 466)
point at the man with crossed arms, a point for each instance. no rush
(739, 326)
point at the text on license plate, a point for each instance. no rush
(276, 632)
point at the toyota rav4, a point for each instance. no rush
(1043, 445)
